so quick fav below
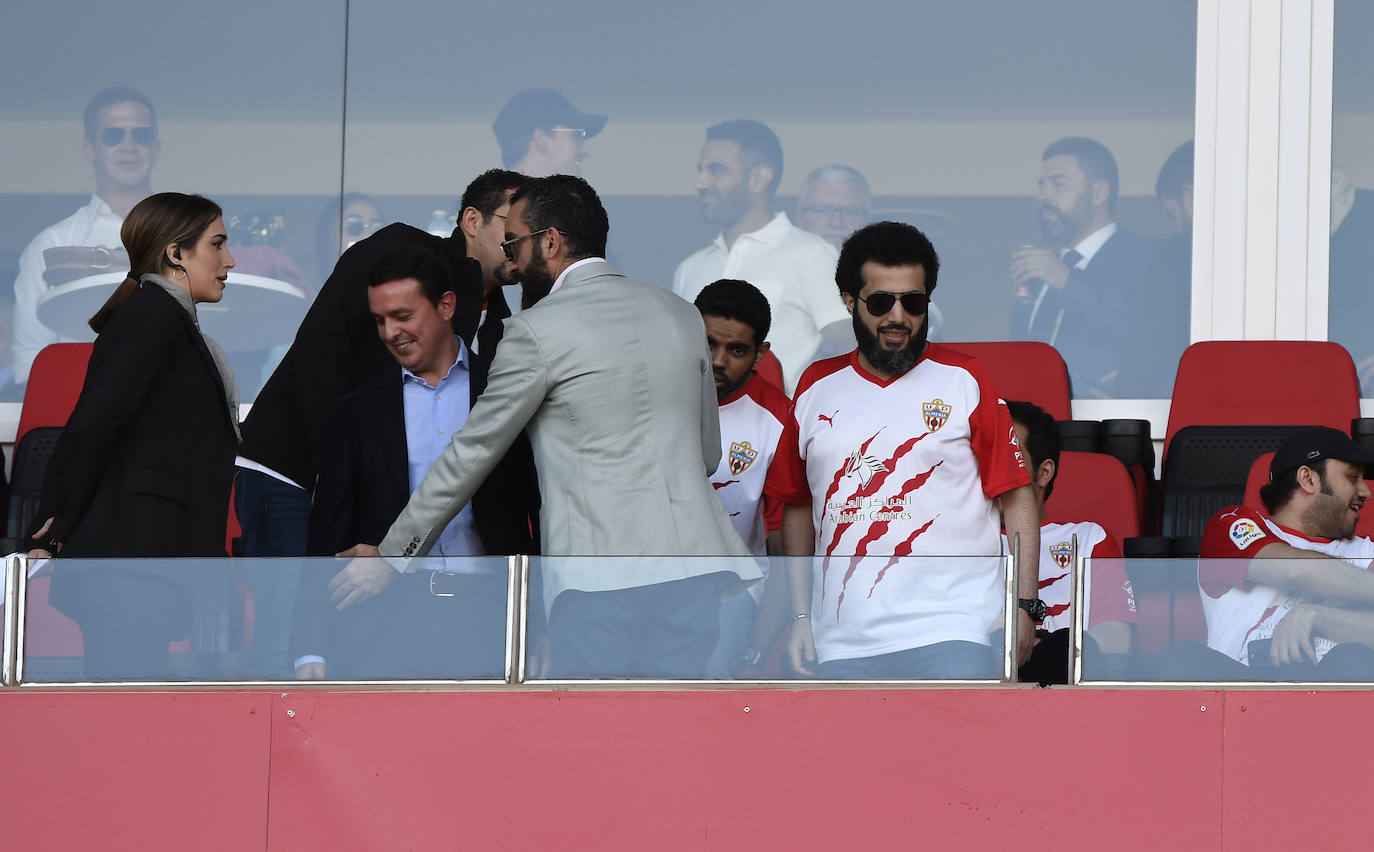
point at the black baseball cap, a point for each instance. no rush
(535, 108)
(1313, 445)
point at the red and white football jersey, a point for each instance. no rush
(751, 426)
(1238, 612)
(899, 467)
(1108, 589)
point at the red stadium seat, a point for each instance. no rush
(1094, 487)
(770, 368)
(55, 382)
(1264, 383)
(1025, 369)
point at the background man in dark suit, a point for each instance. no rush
(482, 221)
(447, 622)
(1086, 294)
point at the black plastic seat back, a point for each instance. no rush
(1205, 470)
(26, 478)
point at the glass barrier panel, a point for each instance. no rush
(1352, 187)
(88, 136)
(105, 620)
(724, 618)
(953, 137)
(1217, 620)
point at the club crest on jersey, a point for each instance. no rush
(1244, 532)
(741, 456)
(935, 413)
(1062, 554)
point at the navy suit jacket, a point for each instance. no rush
(365, 483)
(1091, 320)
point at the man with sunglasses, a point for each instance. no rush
(901, 448)
(482, 221)
(122, 147)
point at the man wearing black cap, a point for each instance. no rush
(542, 134)
(1287, 592)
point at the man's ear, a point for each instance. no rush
(848, 302)
(89, 150)
(760, 177)
(541, 140)
(1309, 480)
(1102, 192)
(1044, 473)
(448, 305)
(470, 221)
(760, 351)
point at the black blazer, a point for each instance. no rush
(337, 351)
(365, 483)
(145, 463)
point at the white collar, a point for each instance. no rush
(1092, 243)
(564, 274)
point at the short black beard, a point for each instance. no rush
(537, 282)
(892, 362)
(723, 391)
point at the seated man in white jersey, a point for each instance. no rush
(752, 414)
(1287, 593)
(1110, 619)
(901, 448)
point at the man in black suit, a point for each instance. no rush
(336, 351)
(447, 622)
(1083, 297)
(482, 222)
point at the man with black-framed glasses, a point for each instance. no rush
(901, 448)
(122, 146)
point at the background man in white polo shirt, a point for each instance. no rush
(737, 176)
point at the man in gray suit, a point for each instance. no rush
(613, 382)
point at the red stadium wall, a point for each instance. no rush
(767, 769)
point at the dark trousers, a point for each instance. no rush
(957, 660)
(407, 632)
(275, 518)
(667, 630)
(1349, 661)
(127, 621)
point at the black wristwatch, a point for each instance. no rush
(1034, 607)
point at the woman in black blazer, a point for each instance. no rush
(145, 463)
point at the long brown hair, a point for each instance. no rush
(156, 222)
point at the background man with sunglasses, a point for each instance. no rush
(900, 448)
(122, 147)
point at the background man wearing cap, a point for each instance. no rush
(541, 134)
(1288, 596)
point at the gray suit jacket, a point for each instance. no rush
(612, 380)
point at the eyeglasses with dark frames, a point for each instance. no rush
(879, 304)
(113, 137)
(508, 246)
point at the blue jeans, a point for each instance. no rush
(275, 518)
(956, 660)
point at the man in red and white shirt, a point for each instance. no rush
(902, 449)
(752, 415)
(1289, 594)
(1110, 616)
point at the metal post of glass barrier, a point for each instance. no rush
(1076, 590)
(14, 566)
(1009, 609)
(517, 570)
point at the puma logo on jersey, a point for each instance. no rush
(830, 418)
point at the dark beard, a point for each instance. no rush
(893, 362)
(537, 282)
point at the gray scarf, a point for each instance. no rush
(226, 374)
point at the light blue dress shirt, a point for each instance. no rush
(433, 416)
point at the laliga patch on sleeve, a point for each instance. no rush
(1245, 532)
